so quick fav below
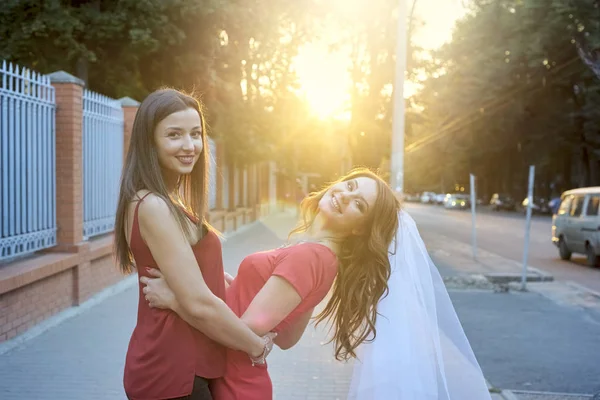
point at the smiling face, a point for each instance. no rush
(178, 139)
(346, 205)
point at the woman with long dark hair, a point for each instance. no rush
(160, 224)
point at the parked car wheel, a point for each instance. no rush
(563, 250)
(592, 260)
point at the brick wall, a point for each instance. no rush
(28, 305)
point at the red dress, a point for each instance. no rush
(310, 268)
(165, 353)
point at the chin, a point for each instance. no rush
(186, 171)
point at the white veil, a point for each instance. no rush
(421, 351)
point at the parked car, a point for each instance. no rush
(540, 206)
(501, 201)
(428, 198)
(439, 198)
(576, 226)
(457, 201)
(412, 198)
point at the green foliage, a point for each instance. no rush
(511, 89)
(210, 47)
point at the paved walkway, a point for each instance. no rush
(523, 341)
(83, 357)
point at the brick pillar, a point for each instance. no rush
(263, 196)
(262, 184)
(220, 163)
(69, 178)
(272, 168)
(130, 107)
(251, 190)
(231, 170)
(69, 160)
(242, 198)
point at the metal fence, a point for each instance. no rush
(225, 173)
(245, 199)
(27, 162)
(212, 171)
(102, 162)
(236, 185)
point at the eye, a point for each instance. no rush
(173, 134)
(360, 206)
(196, 134)
(350, 185)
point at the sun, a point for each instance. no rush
(324, 76)
(324, 79)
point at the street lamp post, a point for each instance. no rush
(397, 164)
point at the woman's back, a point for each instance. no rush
(164, 352)
(310, 268)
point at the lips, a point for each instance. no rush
(336, 204)
(187, 160)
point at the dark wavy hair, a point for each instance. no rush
(142, 171)
(363, 267)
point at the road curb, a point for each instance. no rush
(584, 289)
(546, 276)
(553, 395)
(508, 395)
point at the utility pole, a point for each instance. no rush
(397, 159)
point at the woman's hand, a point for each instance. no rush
(268, 341)
(228, 278)
(157, 292)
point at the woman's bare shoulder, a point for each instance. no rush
(154, 207)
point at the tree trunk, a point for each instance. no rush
(594, 169)
(81, 68)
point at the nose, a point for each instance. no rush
(345, 197)
(188, 143)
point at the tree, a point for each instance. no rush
(512, 89)
(235, 55)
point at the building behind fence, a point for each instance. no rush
(61, 156)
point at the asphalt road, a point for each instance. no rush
(524, 341)
(503, 233)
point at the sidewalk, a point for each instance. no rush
(82, 358)
(524, 341)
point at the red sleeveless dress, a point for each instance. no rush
(165, 353)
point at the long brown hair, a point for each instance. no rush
(363, 267)
(142, 171)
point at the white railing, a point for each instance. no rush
(27, 162)
(102, 162)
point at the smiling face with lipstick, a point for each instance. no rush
(347, 204)
(178, 140)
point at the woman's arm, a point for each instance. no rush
(175, 258)
(275, 301)
(287, 338)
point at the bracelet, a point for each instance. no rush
(261, 359)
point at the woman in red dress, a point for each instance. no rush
(160, 224)
(342, 242)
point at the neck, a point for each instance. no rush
(171, 182)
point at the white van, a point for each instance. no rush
(576, 226)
